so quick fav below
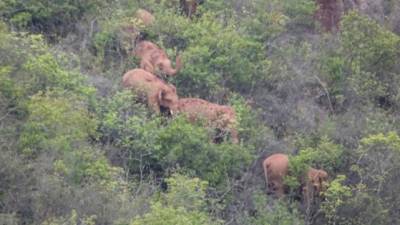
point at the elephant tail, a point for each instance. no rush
(266, 168)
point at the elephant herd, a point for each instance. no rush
(276, 167)
(162, 96)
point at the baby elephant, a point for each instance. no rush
(158, 93)
(217, 116)
(152, 58)
(315, 184)
(276, 167)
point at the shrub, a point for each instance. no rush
(182, 204)
(269, 212)
(49, 16)
(55, 123)
(151, 143)
(371, 53)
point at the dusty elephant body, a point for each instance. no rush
(276, 167)
(152, 58)
(156, 91)
(216, 116)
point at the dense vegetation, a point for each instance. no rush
(78, 149)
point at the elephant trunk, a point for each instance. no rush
(178, 66)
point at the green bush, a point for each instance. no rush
(155, 144)
(55, 123)
(183, 204)
(363, 208)
(319, 153)
(371, 54)
(335, 197)
(216, 57)
(28, 66)
(272, 212)
(50, 16)
(263, 22)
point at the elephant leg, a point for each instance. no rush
(153, 104)
(267, 183)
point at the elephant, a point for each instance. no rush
(130, 33)
(152, 57)
(276, 167)
(158, 93)
(329, 14)
(189, 7)
(315, 184)
(217, 116)
(145, 17)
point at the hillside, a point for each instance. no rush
(162, 112)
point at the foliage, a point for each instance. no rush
(55, 124)
(378, 157)
(300, 12)
(29, 66)
(220, 58)
(335, 197)
(72, 220)
(189, 193)
(371, 52)
(262, 22)
(153, 144)
(269, 213)
(77, 149)
(363, 208)
(48, 16)
(182, 145)
(182, 204)
(320, 153)
(254, 135)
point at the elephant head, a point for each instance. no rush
(168, 98)
(163, 64)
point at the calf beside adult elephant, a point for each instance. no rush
(276, 167)
(216, 116)
(157, 92)
(153, 58)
